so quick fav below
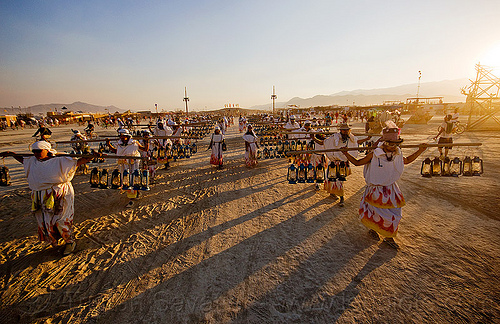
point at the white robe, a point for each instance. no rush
(380, 207)
(131, 149)
(251, 153)
(335, 142)
(52, 196)
(291, 127)
(216, 156)
(166, 131)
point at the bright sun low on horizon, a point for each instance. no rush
(491, 57)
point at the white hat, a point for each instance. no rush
(307, 122)
(41, 145)
(292, 117)
(124, 131)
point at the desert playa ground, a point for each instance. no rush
(242, 245)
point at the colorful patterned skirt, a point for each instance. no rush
(251, 155)
(54, 210)
(380, 209)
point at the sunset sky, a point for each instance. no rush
(133, 54)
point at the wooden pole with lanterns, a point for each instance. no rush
(373, 147)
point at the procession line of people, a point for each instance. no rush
(49, 176)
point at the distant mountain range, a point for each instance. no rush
(449, 89)
(74, 107)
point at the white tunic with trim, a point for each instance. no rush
(251, 153)
(52, 196)
(335, 141)
(382, 172)
(131, 149)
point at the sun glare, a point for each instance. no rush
(491, 57)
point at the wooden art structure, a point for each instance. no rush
(483, 101)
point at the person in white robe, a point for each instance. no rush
(242, 124)
(216, 141)
(52, 195)
(126, 146)
(334, 182)
(177, 131)
(222, 126)
(163, 144)
(380, 207)
(291, 125)
(251, 147)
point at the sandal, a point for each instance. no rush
(69, 248)
(390, 241)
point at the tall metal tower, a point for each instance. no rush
(274, 97)
(186, 99)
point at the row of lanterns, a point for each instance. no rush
(137, 180)
(269, 153)
(177, 151)
(200, 132)
(308, 173)
(265, 130)
(279, 150)
(452, 167)
(194, 132)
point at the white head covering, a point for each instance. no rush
(124, 131)
(41, 145)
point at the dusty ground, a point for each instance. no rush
(242, 245)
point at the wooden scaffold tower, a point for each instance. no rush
(483, 99)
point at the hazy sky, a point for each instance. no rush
(133, 54)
